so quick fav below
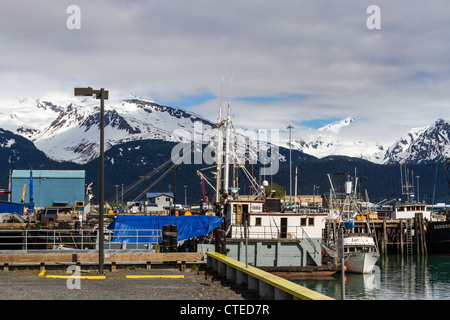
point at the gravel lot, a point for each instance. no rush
(29, 285)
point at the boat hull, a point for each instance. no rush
(361, 262)
(438, 237)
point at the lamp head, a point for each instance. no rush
(83, 92)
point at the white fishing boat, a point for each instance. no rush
(256, 227)
(266, 221)
(360, 252)
(360, 249)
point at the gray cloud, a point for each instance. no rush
(391, 79)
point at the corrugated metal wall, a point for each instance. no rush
(49, 186)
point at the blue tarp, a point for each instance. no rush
(11, 207)
(187, 227)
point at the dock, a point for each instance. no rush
(399, 236)
(44, 260)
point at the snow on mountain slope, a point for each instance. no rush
(421, 144)
(327, 141)
(337, 126)
(69, 130)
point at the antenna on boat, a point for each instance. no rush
(219, 150)
(406, 186)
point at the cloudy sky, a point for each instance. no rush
(299, 62)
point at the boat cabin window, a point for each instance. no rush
(258, 222)
(307, 221)
(358, 249)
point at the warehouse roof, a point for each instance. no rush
(73, 174)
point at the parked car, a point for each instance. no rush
(54, 214)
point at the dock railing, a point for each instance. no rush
(60, 239)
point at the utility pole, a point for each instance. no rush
(418, 195)
(117, 196)
(145, 195)
(174, 186)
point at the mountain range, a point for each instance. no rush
(140, 134)
(68, 131)
(419, 145)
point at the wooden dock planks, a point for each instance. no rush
(83, 258)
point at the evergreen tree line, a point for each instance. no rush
(128, 163)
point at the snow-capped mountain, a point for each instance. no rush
(421, 145)
(69, 130)
(326, 141)
(336, 126)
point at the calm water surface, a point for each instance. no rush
(396, 278)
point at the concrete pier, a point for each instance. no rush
(267, 285)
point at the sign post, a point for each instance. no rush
(341, 256)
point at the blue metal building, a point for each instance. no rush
(50, 187)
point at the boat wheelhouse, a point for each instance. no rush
(408, 210)
(264, 223)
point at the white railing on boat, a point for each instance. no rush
(271, 232)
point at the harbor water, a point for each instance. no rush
(396, 277)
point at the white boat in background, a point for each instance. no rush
(408, 210)
(360, 252)
(360, 249)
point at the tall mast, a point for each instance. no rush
(226, 178)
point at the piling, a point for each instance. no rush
(220, 242)
(419, 230)
(401, 236)
(170, 234)
(384, 244)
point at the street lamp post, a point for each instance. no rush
(101, 94)
(290, 164)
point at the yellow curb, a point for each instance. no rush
(155, 276)
(76, 277)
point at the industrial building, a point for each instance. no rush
(156, 203)
(49, 187)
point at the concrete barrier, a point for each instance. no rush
(268, 286)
